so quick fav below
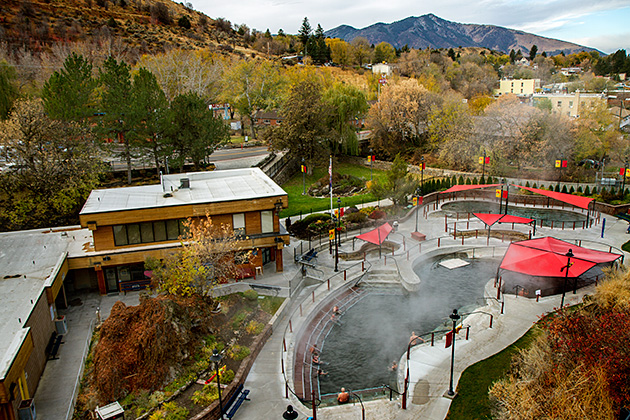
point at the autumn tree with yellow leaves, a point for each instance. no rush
(209, 254)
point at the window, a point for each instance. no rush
(559, 104)
(521, 90)
(265, 121)
(172, 230)
(238, 223)
(120, 235)
(521, 86)
(266, 218)
(148, 232)
(511, 90)
(133, 233)
(159, 230)
(570, 104)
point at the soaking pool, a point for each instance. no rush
(375, 331)
(547, 215)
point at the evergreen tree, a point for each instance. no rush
(532, 52)
(8, 91)
(304, 34)
(68, 93)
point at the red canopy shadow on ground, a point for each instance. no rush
(456, 188)
(545, 257)
(575, 200)
(378, 235)
(491, 218)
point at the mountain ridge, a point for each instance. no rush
(431, 31)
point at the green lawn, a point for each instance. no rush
(471, 402)
(307, 204)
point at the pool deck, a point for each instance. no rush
(429, 367)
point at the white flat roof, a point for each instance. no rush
(205, 187)
(29, 261)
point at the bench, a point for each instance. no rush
(53, 345)
(235, 401)
(130, 286)
(309, 256)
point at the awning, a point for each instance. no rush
(574, 200)
(545, 257)
(378, 235)
(491, 218)
(456, 188)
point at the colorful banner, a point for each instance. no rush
(497, 193)
(415, 201)
(558, 163)
(331, 234)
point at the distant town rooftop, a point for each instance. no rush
(184, 189)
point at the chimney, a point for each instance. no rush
(185, 183)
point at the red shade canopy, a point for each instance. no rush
(456, 188)
(378, 235)
(575, 200)
(545, 257)
(491, 218)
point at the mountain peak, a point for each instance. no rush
(431, 31)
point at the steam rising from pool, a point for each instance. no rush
(376, 331)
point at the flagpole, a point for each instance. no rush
(332, 213)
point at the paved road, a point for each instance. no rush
(222, 158)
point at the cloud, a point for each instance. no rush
(607, 43)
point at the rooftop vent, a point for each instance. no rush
(185, 183)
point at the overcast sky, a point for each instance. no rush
(601, 24)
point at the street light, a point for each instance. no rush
(566, 275)
(455, 317)
(337, 233)
(216, 358)
(507, 194)
(371, 162)
(422, 174)
(417, 205)
(303, 178)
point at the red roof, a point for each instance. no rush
(456, 188)
(378, 235)
(546, 257)
(491, 218)
(575, 200)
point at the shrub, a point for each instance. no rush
(170, 411)
(357, 217)
(254, 327)
(377, 214)
(237, 352)
(238, 319)
(250, 295)
(184, 22)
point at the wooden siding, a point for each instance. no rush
(17, 367)
(42, 327)
(139, 256)
(104, 238)
(53, 291)
(253, 223)
(181, 212)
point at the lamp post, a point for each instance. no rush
(566, 275)
(623, 183)
(507, 194)
(371, 161)
(454, 316)
(417, 205)
(337, 233)
(216, 358)
(422, 174)
(303, 178)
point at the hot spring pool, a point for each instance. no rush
(547, 215)
(376, 330)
